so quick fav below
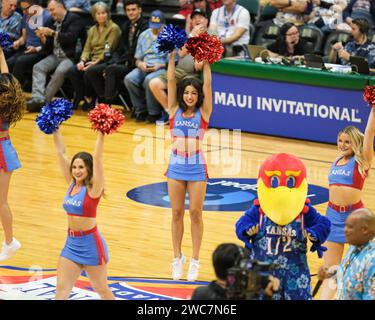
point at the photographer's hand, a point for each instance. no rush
(253, 230)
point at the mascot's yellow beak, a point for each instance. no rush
(282, 188)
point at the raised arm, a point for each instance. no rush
(98, 168)
(3, 62)
(207, 91)
(368, 141)
(61, 156)
(172, 87)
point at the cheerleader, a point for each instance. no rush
(190, 107)
(12, 106)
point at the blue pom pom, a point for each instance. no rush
(5, 40)
(171, 38)
(53, 114)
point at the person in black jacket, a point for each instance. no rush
(106, 77)
(289, 43)
(59, 41)
(224, 257)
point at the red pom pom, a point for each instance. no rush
(205, 47)
(105, 119)
(369, 95)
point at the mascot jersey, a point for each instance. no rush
(276, 226)
(285, 246)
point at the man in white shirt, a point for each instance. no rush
(231, 23)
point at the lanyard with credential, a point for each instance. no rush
(227, 18)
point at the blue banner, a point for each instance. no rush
(285, 109)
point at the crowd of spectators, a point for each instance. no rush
(52, 46)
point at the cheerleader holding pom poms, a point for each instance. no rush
(12, 107)
(190, 108)
(346, 180)
(85, 248)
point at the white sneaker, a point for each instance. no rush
(193, 271)
(9, 249)
(177, 266)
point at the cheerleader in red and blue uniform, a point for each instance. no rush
(190, 107)
(346, 179)
(85, 248)
(12, 106)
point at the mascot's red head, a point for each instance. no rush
(282, 187)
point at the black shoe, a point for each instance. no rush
(34, 105)
(141, 117)
(87, 106)
(153, 118)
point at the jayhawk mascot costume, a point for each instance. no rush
(275, 229)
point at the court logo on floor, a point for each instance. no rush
(40, 284)
(222, 194)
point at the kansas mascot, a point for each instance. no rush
(275, 229)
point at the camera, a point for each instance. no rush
(247, 278)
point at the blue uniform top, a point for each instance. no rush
(346, 175)
(80, 204)
(188, 127)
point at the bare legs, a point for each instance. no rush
(5, 213)
(177, 190)
(68, 272)
(158, 88)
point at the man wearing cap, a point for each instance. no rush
(150, 63)
(203, 12)
(231, 23)
(28, 45)
(186, 65)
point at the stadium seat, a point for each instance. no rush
(333, 37)
(268, 12)
(267, 35)
(314, 38)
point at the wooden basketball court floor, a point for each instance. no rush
(138, 235)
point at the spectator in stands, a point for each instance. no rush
(109, 3)
(186, 66)
(150, 64)
(10, 22)
(288, 43)
(214, 4)
(291, 11)
(78, 5)
(356, 272)
(364, 9)
(203, 6)
(186, 8)
(359, 46)
(231, 23)
(59, 41)
(103, 36)
(30, 48)
(107, 78)
(327, 14)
